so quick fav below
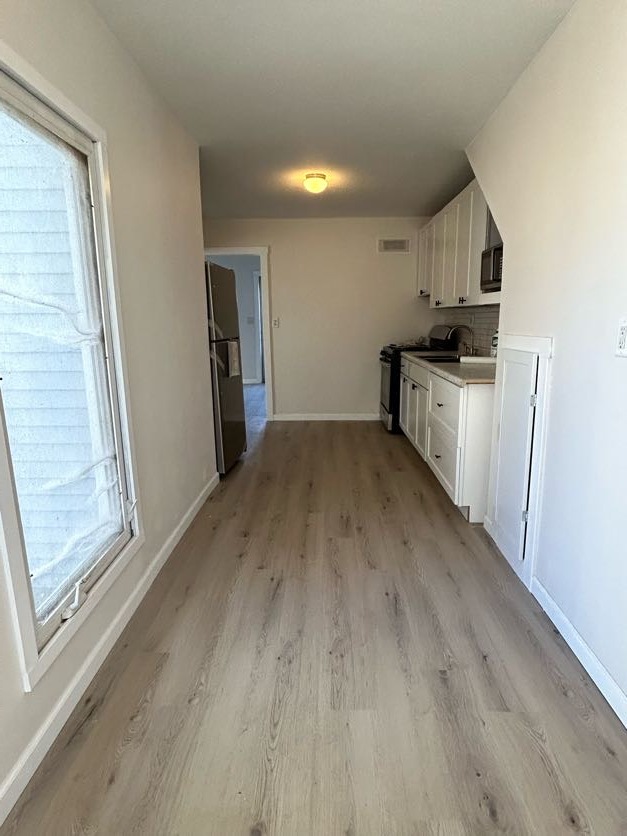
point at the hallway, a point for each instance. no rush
(331, 650)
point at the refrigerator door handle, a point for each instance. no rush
(232, 358)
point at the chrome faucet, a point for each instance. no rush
(470, 346)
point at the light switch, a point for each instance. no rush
(276, 322)
(621, 341)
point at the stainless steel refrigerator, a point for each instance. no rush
(226, 366)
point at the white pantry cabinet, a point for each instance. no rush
(449, 253)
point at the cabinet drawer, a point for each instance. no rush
(419, 375)
(444, 401)
(442, 454)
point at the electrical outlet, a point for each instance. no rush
(621, 341)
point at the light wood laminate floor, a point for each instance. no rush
(331, 650)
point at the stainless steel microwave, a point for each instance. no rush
(492, 258)
(492, 269)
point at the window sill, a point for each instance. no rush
(50, 652)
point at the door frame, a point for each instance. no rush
(258, 295)
(543, 348)
(263, 255)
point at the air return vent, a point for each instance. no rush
(393, 245)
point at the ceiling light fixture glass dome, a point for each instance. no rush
(315, 182)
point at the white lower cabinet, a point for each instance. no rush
(413, 413)
(451, 427)
(402, 412)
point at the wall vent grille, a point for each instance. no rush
(393, 245)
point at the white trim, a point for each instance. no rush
(24, 73)
(332, 416)
(599, 674)
(268, 375)
(35, 663)
(542, 346)
(21, 773)
(253, 381)
(258, 297)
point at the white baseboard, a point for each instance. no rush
(21, 773)
(598, 673)
(333, 416)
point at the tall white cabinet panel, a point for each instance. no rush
(461, 290)
(439, 240)
(516, 414)
(451, 217)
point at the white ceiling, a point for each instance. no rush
(384, 96)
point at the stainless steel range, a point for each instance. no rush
(440, 343)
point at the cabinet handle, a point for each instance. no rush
(461, 300)
(437, 303)
(439, 404)
(437, 456)
(413, 386)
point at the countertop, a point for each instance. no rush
(461, 374)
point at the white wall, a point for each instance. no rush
(338, 302)
(247, 285)
(552, 164)
(157, 218)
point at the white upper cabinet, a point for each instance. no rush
(437, 282)
(449, 253)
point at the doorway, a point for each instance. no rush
(250, 266)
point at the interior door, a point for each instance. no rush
(515, 446)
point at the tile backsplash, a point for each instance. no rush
(486, 322)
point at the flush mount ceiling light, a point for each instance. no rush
(315, 182)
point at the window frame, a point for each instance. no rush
(39, 646)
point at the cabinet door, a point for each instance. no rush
(462, 293)
(412, 396)
(402, 414)
(422, 409)
(425, 261)
(429, 257)
(451, 217)
(439, 236)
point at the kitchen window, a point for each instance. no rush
(69, 497)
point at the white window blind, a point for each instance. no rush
(58, 388)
